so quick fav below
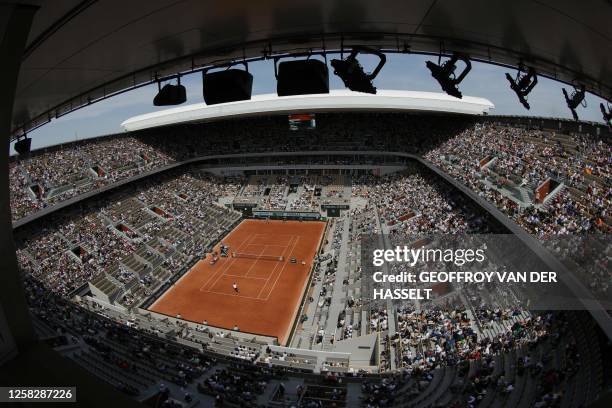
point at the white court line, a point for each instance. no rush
(246, 250)
(256, 260)
(227, 266)
(265, 247)
(192, 271)
(247, 277)
(276, 266)
(234, 295)
(281, 271)
(264, 250)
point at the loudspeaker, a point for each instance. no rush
(302, 77)
(23, 146)
(226, 86)
(170, 95)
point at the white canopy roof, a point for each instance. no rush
(341, 100)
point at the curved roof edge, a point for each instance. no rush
(337, 100)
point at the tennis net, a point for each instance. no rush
(256, 256)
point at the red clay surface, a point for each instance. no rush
(269, 291)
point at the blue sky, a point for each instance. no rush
(405, 72)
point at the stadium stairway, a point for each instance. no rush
(337, 304)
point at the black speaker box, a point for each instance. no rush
(302, 77)
(170, 95)
(23, 146)
(226, 86)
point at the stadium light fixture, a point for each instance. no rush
(22, 146)
(445, 73)
(575, 99)
(352, 74)
(170, 94)
(607, 114)
(526, 79)
(301, 77)
(229, 85)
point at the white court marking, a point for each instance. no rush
(227, 266)
(249, 242)
(281, 271)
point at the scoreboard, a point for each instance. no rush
(301, 121)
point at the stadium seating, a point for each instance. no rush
(127, 247)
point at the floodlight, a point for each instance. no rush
(607, 114)
(445, 73)
(575, 99)
(352, 74)
(526, 79)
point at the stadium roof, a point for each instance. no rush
(81, 51)
(260, 105)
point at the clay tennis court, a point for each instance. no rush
(269, 290)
